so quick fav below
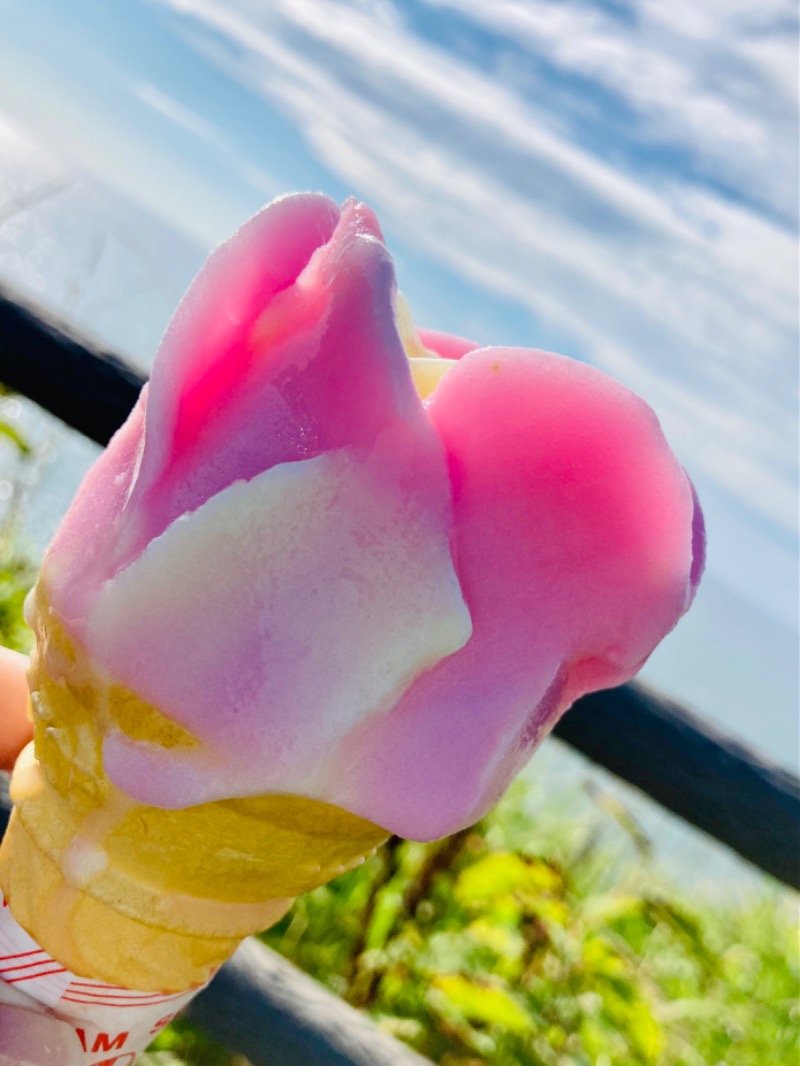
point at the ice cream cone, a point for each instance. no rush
(341, 560)
(140, 896)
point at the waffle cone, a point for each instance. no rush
(134, 895)
(90, 937)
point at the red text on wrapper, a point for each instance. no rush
(161, 1023)
(103, 1041)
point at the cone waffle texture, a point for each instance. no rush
(136, 895)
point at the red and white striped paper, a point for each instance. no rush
(113, 1024)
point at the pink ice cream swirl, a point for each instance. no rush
(343, 590)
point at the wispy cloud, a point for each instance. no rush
(194, 123)
(183, 116)
(717, 79)
(85, 252)
(685, 292)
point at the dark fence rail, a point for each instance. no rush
(678, 759)
(694, 770)
(46, 360)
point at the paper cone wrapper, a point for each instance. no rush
(112, 1024)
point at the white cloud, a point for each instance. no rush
(717, 78)
(174, 111)
(84, 252)
(396, 67)
(178, 113)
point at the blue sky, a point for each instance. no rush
(614, 180)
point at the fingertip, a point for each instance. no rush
(16, 728)
(31, 1038)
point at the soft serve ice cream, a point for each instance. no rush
(334, 578)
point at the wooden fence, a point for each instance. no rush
(678, 759)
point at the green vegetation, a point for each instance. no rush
(16, 577)
(17, 570)
(504, 948)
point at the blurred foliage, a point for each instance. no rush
(502, 948)
(181, 1043)
(17, 571)
(17, 574)
(532, 939)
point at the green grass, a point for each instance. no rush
(499, 947)
(16, 577)
(17, 570)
